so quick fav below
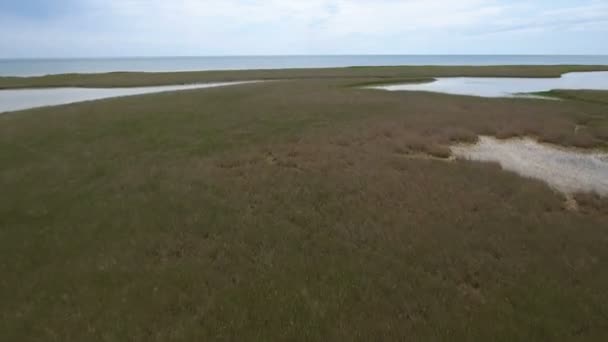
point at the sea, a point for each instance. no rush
(40, 67)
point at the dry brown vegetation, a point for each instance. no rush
(294, 210)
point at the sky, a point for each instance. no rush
(109, 28)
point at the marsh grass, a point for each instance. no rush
(373, 75)
(287, 210)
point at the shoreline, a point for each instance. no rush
(370, 74)
(29, 67)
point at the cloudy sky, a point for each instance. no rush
(87, 28)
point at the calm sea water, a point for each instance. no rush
(36, 67)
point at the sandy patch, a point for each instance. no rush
(565, 170)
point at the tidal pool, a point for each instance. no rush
(20, 99)
(566, 170)
(506, 86)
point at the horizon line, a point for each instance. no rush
(300, 55)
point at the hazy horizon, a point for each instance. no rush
(297, 55)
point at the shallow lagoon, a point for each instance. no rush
(506, 86)
(20, 99)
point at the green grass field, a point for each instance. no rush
(304, 209)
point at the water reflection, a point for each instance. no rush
(19, 99)
(507, 87)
